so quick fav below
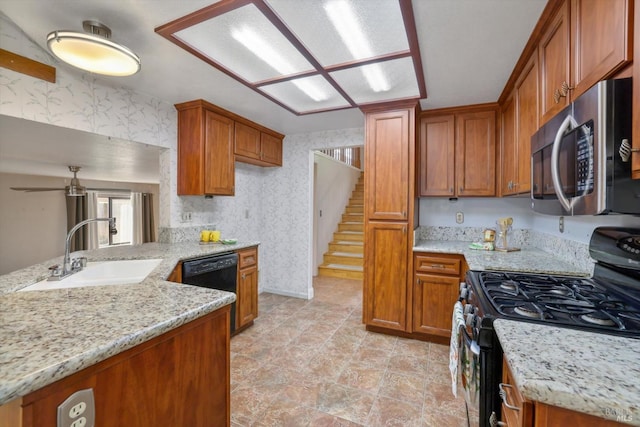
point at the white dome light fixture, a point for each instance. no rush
(93, 51)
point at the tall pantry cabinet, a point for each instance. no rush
(389, 183)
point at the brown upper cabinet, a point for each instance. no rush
(257, 147)
(458, 152)
(389, 136)
(211, 139)
(519, 123)
(584, 42)
(205, 151)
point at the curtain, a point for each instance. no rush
(148, 224)
(76, 212)
(143, 222)
(92, 228)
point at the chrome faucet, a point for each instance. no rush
(70, 266)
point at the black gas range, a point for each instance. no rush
(609, 302)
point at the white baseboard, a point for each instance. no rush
(287, 293)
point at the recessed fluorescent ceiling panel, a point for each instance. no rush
(309, 56)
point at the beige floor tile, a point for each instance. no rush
(312, 363)
(387, 412)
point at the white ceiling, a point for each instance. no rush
(468, 48)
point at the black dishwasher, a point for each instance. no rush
(214, 272)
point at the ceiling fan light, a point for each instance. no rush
(93, 53)
(75, 190)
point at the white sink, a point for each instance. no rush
(102, 273)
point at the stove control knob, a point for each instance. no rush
(463, 286)
(470, 320)
(464, 293)
(469, 309)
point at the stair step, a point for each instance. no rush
(352, 247)
(351, 259)
(355, 209)
(351, 236)
(351, 226)
(343, 271)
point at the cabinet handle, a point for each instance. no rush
(450, 190)
(562, 92)
(404, 230)
(438, 266)
(510, 185)
(461, 190)
(244, 276)
(404, 214)
(503, 396)
(417, 281)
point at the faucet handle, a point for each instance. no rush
(55, 270)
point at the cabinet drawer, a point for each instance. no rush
(437, 265)
(247, 257)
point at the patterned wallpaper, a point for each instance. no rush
(272, 205)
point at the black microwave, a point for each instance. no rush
(579, 159)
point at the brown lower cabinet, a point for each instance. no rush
(180, 378)
(436, 287)
(247, 288)
(520, 412)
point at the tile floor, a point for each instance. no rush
(312, 363)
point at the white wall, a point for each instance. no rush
(334, 184)
(483, 212)
(33, 226)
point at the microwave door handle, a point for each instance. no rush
(568, 124)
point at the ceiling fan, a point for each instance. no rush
(74, 188)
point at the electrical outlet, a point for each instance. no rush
(78, 410)
(80, 422)
(186, 216)
(459, 217)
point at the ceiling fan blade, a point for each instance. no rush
(34, 189)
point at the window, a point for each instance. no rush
(120, 208)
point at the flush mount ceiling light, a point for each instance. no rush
(93, 51)
(309, 56)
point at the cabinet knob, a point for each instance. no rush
(461, 190)
(451, 190)
(510, 185)
(244, 276)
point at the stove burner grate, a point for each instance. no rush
(529, 310)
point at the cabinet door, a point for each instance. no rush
(219, 176)
(527, 122)
(247, 141)
(247, 296)
(509, 149)
(149, 384)
(476, 154)
(271, 149)
(437, 150)
(433, 300)
(387, 156)
(553, 54)
(385, 289)
(600, 40)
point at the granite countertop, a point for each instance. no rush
(48, 335)
(583, 371)
(531, 260)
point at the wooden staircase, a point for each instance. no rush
(345, 257)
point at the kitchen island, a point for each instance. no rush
(49, 335)
(586, 372)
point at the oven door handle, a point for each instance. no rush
(471, 344)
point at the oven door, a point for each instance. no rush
(470, 375)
